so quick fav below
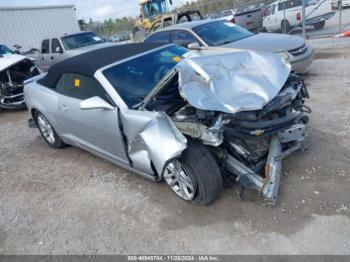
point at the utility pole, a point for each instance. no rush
(284, 18)
(303, 17)
(340, 11)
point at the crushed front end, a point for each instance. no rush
(257, 141)
(246, 107)
(11, 83)
(249, 146)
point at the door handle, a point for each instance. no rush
(63, 107)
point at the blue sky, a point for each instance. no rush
(96, 9)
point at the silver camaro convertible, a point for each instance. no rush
(200, 121)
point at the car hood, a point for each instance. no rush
(9, 60)
(232, 82)
(268, 42)
(88, 48)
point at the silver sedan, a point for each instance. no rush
(212, 34)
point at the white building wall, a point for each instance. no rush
(28, 26)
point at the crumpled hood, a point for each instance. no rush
(9, 60)
(233, 82)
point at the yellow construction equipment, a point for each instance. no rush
(155, 14)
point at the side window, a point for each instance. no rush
(268, 11)
(289, 4)
(161, 37)
(182, 37)
(45, 46)
(298, 3)
(80, 87)
(55, 43)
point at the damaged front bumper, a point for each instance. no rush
(268, 185)
(15, 101)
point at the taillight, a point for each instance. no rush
(298, 16)
(233, 20)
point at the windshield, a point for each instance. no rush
(134, 79)
(219, 33)
(4, 50)
(155, 7)
(80, 40)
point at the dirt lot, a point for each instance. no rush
(70, 202)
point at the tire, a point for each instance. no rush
(320, 25)
(47, 131)
(199, 167)
(285, 26)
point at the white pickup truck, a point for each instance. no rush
(284, 15)
(57, 49)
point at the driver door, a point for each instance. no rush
(57, 52)
(270, 18)
(95, 130)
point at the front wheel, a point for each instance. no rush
(195, 176)
(320, 25)
(47, 131)
(285, 26)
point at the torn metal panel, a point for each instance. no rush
(234, 82)
(152, 137)
(272, 172)
(14, 70)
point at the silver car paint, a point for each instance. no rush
(234, 82)
(152, 138)
(267, 42)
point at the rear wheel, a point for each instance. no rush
(285, 26)
(195, 176)
(320, 25)
(47, 131)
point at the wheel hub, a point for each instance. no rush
(179, 181)
(46, 129)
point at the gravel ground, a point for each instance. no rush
(70, 202)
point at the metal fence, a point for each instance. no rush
(307, 18)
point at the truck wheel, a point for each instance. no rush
(285, 26)
(195, 176)
(47, 132)
(320, 25)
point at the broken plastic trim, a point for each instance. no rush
(268, 186)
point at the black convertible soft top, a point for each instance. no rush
(88, 63)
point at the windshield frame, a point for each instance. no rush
(118, 99)
(6, 48)
(67, 47)
(220, 21)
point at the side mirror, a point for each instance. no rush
(59, 50)
(95, 103)
(194, 46)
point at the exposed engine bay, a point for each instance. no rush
(11, 83)
(248, 145)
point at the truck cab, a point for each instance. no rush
(56, 49)
(283, 15)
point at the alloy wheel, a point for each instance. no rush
(179, 181)
(46, 129)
